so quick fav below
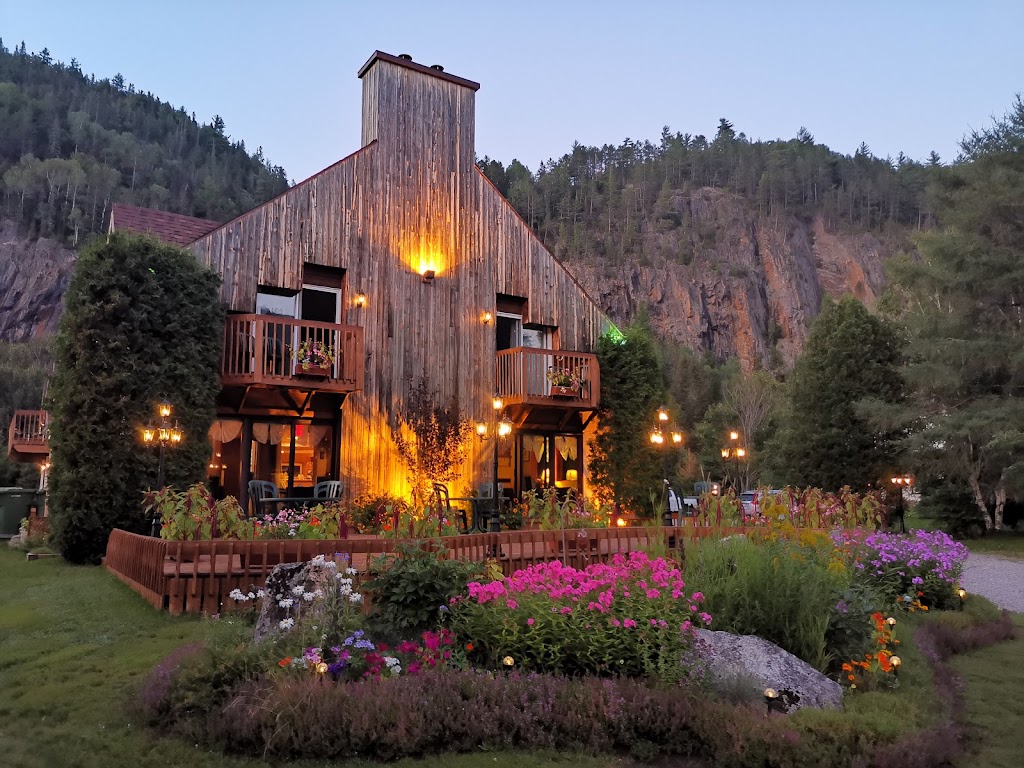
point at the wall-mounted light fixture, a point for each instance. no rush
(428, 275)
(486, 317)
(360, 300)
(481, 430)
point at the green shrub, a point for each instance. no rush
(780, 590)
(409, 588)
(142, 323)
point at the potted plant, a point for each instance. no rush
(565, 382)
(314, 358)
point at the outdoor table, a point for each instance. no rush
(479, 525)
(279, 501)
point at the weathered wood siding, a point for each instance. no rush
(411, 198)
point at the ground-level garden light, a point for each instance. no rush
(896, 662)
(962, 594)
(891, 621)
(770, 697)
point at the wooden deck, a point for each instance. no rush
(522, 378)
(29, 437)
(197, 576)
(258, 351)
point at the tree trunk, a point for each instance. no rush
(979, 499)
(997, 513)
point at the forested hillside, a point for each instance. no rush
(594, 203)
(71, 145)
(731, 244)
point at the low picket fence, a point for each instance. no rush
(198, 576)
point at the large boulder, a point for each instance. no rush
(747, 660)
(289, 587)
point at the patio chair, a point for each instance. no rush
(329, 489)
(259, 491)
(444, 505)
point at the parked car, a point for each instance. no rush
(751, 501)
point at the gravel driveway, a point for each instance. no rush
(998, 579)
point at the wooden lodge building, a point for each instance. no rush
(409, 263)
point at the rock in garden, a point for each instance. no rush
(285, 586)
(747, 659)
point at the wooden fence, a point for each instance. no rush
(198, 576)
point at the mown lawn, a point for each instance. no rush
(995, 703)
(75, 643)
(1004, 544)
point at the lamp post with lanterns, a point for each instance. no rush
(900, 482)
(662, 437)
(502, 428)
(162, 434)
(734, 450)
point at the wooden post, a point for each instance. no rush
(246, 463)
(291, 461)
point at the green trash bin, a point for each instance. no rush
(15, 504)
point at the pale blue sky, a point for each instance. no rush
(900, 75)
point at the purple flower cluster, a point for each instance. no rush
(919, 564)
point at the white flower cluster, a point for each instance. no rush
(244, 597)
(321, 560)
(394, 665)
(345, 589)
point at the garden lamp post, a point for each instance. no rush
(501, 428)
(900, 481)
(660, 436)
(162, 434)
(736, 452)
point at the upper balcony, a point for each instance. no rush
(259, 351)
(29, 437)
(523, 378)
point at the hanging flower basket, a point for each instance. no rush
(314, 359)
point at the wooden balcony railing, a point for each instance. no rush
(258, 350)
(29, 436)
(523, 377)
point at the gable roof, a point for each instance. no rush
(172, 228)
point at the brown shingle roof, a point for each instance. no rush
(170, 227)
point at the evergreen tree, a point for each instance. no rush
(850, 357)
(962, 303)
(142, 323)
(624, 466)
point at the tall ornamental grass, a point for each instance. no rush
(780, 590)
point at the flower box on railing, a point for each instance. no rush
(565, 391)
(313, 371)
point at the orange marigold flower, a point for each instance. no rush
(285, 661)
(924, 607)
(851, 678)
(868, 656)
(847, 668)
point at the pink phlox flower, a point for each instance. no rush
(530, 622)
(628, 623)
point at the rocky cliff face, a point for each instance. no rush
(717, 277)
(33, 277)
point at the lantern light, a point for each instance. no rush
(725, 453)
(741, 452)
(164, 409)
(663, 413)
(677, 437)
(896, 662)
(486, 317)
(481, 429)
(891, 621)
(497, 403)
(505, 427)
(360, 300)
(148, 434)
(734, 435)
